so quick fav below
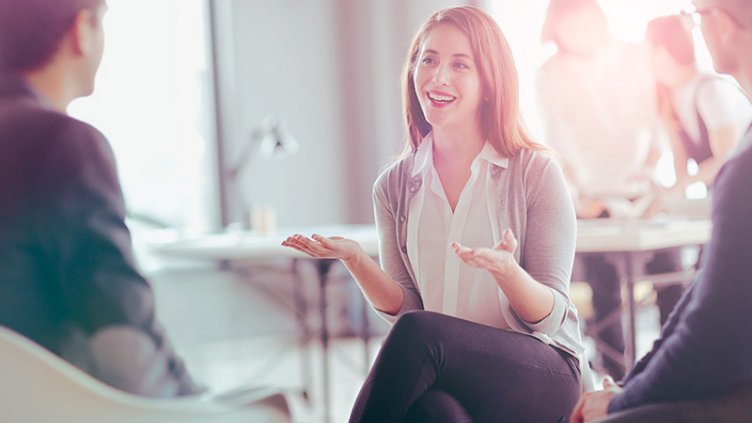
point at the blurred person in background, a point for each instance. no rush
(700, 370)
(703, 113)
(595, 95)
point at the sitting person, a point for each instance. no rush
(700, 370)
(67, 274)
(477, 236)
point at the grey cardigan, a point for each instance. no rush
(532, 201)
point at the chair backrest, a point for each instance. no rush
(38, 386)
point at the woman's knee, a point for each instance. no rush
(419, 324)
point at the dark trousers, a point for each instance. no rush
(604, 282)
(471, 371)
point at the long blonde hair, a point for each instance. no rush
(500, 120)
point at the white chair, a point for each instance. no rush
(38, 386)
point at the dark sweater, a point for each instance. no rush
(706, 348)
(67, 271)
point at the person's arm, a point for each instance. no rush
(389, 247)
(537, 288)
(100, 285)
(390, 291)
(708, 351)
(722, 142)
(680, 156)
(380, 289)
(531, 300)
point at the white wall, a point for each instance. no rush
(331, 69)
(278, 57)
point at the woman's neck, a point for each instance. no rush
(459, 147)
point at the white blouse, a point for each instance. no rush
(445, 283)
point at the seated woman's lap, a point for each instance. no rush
(498, 375)
(436, 406)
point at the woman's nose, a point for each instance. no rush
(440, 75)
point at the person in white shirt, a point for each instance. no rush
(596, 97)
(477, 236)
(703, 113)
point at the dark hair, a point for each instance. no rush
(671, 33)
(31, 30)
(501, 122)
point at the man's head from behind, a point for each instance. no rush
(35, 34)
(727, 28)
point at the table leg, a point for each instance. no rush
(302, 315)
(322, 269)
(631, 335)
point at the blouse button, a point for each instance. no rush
(402, 219)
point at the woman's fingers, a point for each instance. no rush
(509, 242)
(298, 242)
(306, 245)
(465, 253)
(476, 257)
(325, 242)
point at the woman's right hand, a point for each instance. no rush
(335, 247)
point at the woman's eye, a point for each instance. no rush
(428, 61)
(461, 66)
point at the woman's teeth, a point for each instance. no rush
(441, 98)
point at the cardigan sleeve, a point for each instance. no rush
(550, 236)
(385, 189)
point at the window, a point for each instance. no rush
(153, 102)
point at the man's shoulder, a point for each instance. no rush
(31, 121)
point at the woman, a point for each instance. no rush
(477, 230)
(704, 114)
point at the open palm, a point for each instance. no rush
(335, 247)
(496, 260)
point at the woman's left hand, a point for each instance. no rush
(497, 260)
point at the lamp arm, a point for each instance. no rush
(247, 154)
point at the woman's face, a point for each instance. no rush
(446, 79)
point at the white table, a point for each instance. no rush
(238, 246)
(629, 244)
